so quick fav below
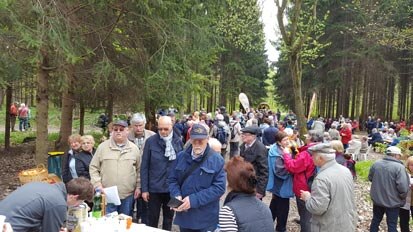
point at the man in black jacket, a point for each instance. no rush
(254, 151)
(159, 153)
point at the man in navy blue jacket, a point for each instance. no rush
(159, 154)
(201, 190)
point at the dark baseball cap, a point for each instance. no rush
(121, 123)
(198, 131)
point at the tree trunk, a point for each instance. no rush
(42, 103)
(9, 92)
(2, 97)
(295, 68)
(68, 103)
(411, 104)
(82, 117)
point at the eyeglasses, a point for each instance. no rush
(120, 129)
(163, 129)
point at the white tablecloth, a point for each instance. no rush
(143, 228)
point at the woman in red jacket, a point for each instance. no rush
(345, 133)
(302, 168)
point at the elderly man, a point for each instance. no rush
(389, 187)
(41, 206)
(138, 135)
(199, 180)
(214, 144)
(254, 151)
(331, 201)
(159, 153)
(117, 163)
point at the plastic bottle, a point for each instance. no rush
(97, 207)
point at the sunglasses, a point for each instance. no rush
(120, 129)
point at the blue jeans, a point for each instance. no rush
(125, 207)
(392, 215)
(22, 124)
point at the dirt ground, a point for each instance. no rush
(22, 157)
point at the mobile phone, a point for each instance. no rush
(174, 203)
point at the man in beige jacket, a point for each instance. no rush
(117, 163)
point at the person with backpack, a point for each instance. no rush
(221, 132)
(13, 115)
(23, 113)
(235, 137)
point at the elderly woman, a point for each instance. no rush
(339, 148)
(345, 134)
(233, 216)
(280, 181)
(77, 161)
(331, 201)
(69, 169)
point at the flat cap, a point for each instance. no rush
(324, 148)
(250, 129)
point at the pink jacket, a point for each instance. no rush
(302, 167)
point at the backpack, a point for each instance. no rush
(221, 135)
(232, 130)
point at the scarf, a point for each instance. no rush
(169, 149)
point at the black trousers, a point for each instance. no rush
(404, 216)
(156, 201)
(142, 211)
(279, 209)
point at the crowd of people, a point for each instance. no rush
(199, 158)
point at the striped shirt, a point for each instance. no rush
(227, 221)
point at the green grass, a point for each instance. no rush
(54, 122)
(362, 169)
(55, 117)
(18, 137)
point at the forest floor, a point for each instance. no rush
(22, 157)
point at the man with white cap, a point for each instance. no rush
(331, 201)
(389, 187)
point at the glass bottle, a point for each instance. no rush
(97, 204)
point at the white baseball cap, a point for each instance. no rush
(393, 150)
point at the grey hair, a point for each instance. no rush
(316, 136)
(138, 117)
